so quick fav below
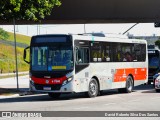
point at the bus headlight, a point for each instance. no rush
(68, 80)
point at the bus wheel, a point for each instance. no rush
(129, 86)
(54, 95)
(93, 88)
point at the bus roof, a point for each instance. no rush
(108, 38)
(90, 37)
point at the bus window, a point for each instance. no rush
(126, 52)
(96, 54)
(82, 55)
(117, 52)
(139, 52)
(106, 55)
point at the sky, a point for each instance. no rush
(141, 29)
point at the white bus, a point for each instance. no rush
(79, 63)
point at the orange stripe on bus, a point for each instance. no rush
(137, 73)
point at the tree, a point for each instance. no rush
(34, 10)
(3, 34)
(26, 9)
(157, 43)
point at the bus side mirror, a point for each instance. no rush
(25, 55)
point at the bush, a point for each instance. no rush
(157, 43)
(3, 34)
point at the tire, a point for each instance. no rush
(129, 86)
(54, 95)
(93, 89)
(157, 90)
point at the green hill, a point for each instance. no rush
(19, 38)
(7, 56)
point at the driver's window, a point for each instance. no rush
(82, 55)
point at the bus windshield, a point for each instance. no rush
(52, 58)
(153, 62)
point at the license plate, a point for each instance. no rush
(46, 88)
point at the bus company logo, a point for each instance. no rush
(6, 115)
(47, 81)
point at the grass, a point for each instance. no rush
(7, 55)
(19, 38)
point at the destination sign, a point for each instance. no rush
(151, 51)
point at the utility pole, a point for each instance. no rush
(15, 48)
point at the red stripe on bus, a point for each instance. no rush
(49, 80)
(137, 73)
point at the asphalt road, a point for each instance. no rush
(143, 98)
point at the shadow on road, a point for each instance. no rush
(45, 97)
(145, 88)
(63, 97)
(149, 91)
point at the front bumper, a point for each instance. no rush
(67, 88)
(157, 84)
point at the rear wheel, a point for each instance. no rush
(54, 95)
(129, 86)
(93, 88)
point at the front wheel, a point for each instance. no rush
(54, 95)
(93, 88)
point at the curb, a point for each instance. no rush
(8, 96)
(16, 94)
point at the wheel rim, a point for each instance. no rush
(93, 88)
(129, 84)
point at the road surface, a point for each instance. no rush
(143, 98)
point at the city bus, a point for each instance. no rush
(65, 63)
(154, 62)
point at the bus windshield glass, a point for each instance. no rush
(153, 56)
(153, 62)
(52, 58)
